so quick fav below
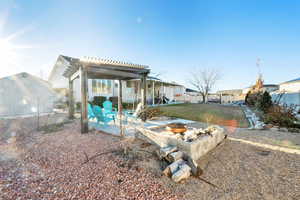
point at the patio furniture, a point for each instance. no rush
(91, 114)
(108, 108)
(101, 117)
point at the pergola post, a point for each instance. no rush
(153, 92)
(71, 99)
(84, 99)
(144, 91)
(120, 108)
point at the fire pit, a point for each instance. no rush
(176, 127)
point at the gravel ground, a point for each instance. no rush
(51, 166)
(285, 139)
(242, 171)
(278, 138)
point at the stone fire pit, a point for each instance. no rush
(193, 142)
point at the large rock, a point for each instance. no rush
(165, 151)
(174, 156)
(182, 173)
(172, 168)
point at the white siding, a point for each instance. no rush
(290, 87)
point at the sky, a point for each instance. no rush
(175, 38)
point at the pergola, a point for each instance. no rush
(95, 68)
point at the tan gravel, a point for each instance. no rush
(51, 168)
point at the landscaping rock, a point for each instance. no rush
(284, 129)
(172, 168)
(165, 151)
(274, 129)
(182, 173)
(174, 156)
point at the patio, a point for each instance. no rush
(95, 68)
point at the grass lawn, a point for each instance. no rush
(208, 113)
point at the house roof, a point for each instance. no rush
(59, 64)
(20, 77)
(292, 81)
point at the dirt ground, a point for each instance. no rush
(60, 165)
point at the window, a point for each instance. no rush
(109, 83)
(94, 86)
(102, 86)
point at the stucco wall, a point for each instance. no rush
(290, 87)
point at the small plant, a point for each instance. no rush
(98, 100)
(150, 113)
(253, 99)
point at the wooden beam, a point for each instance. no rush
(84, 90)
(153, 92)
(120, 74)
(144, 91)
(122, 68)
(75, 75)
(120, 108)
(71, 99)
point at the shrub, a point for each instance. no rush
(264, 103)
(150, 113)
(253, 99)
(283, 116)
(78, 106)
(98, 100)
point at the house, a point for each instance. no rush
(288, 93)
(229, 96)
(156, 88)
(25, 94)
(290, 86)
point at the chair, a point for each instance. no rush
(100, 116)
(91, 114)
(108, 109)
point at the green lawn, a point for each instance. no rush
(209, 113)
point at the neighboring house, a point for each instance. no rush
(190, 96)
(290, 86)
(156, 89)
(288, 93)
(229, 96)
(97, 87)
(109, 88)
(25, 94)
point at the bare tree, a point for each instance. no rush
(204, 80)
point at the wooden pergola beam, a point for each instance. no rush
(71, 99)
(75, 75)
(113, 73)
(144, 90)
(84, 99)
(120, 108)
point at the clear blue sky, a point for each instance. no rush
(170, 36)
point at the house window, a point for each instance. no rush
(94, 86)
(109, 85)
(101, 86)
